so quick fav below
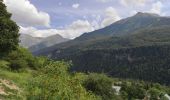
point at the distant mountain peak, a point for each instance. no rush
(142, 14)
(30, 42)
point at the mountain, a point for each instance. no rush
(136, 47)
(25, 40)
(47, 42)
(38, 43)
(138, 22)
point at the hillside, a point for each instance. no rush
(143, 37)
(149, 63)
(141, 52)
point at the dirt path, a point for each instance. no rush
(7, 88)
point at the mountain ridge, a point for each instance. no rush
(40, 42)
(47, 42)
(120, 28)
(25, 40)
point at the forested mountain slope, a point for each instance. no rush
(151, 63)
(137, 47)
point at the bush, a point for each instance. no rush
(100, 85)
(132, 90)
(22, 59)
(18, 65)
(154, 94)
(53, 82)
(4, 64)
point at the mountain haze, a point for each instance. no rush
(47, 42)
(28, 41)
(37, 43)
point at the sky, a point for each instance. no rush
(72, 18)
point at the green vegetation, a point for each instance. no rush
(53, 82)
(148, 63)
(132, 90)
(101, 85)
(8, 31)
(21, 58)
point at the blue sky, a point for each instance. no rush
(62, 12)
(71, 18)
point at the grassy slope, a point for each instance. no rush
(13, 79)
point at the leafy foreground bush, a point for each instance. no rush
(101, 85)
(53, 82)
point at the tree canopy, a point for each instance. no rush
(9, 37)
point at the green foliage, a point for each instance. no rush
(8, 32)
(18, 65)
(4, 64)
(131, 63)
(100, 85)
(53, 82)
(20, 80)
(21, 59)
(132, 91)
(154, 94)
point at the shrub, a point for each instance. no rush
(132, 90)
(100, 85)
(22, 59)
(4, 64)
(18, 65)
(53, 82)
(154, 94)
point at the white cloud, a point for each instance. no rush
(103, 1)
(75, 5)
(133, 2)
(25, 13)
(133, 12)
(76, 29)
(111, 16)
(156, 7)
(96, 21)
(37, 33)
(95, 24)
